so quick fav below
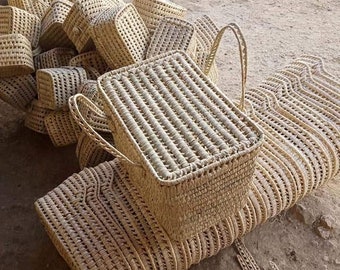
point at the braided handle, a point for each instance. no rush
(80, 119)
(243, 56)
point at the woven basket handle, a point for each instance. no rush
(243, 56)
(74, 103)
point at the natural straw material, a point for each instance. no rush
(120, 36)
(56, 85)
(153, 11)
(200, 164)
(78, 21)
(36, 7)
(35, 117)
(17, 21)
(18, 91)
(16, 57)
(55, 58)
(52, 32)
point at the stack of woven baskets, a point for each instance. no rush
(136, 82)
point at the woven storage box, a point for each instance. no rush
(15, 56)
(61, 128)
(17, 21)
(173, 34)
(89, 153)
(56, 85)
(36, 7)
(92, 62)
(153, 11)
(18, 91)
(173, 126)
(55, 58)
(35, 117)
(78, 21)
(120, 36)
(52, 32)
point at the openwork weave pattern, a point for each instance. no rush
(52, 32)
(35, 117)
(56, 85)
(16, 57)
(104, 201)
(193, 155)
(153, 11)
(61, 128)
(36, 7)
(18, 91)
(78, 20)
(120, 36)
(54, 58)
(17, 21)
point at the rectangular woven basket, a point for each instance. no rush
(195, 150)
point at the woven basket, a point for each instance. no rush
(18, 91)
(120, 36)
(92, 62)
(89, 153)
(18, 21)
(36, 7)
(16, 57)
(178, 162)
(55, 58)
(56, 85)
(52, 32)
(173, 34)
(78, 21)
(153, 11)
(35, 117)
(61, 128)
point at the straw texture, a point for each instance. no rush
(120, 36)
(36, 7)
(17, 21)
(16, 57)
(35, 117)
(202, 151)
(52, 32)
(54, 58)
(153, 11)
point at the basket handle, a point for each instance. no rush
(74, 102)
(243, 56)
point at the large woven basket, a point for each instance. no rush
(153, 11)
(55, 58)
(36, 7)
(18, 21)
(18, 91)
(78, 21)
(16, 57)
(173, 34)
(56, 85)
(120, 36)
(61, 128)
(35, 117)
(172, 125)
(52, 32)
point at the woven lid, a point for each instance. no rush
(176, 117)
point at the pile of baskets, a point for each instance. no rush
(135, 84)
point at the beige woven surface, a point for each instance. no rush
(120, 36)
(52, 32)
(17, 21)
(35, 117)
(153, 11)
(54, 58)
(202, 147)
(36, 7)
(78, 21)
(18, 91)
(16, 57)
(56, 85)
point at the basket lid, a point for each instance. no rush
(179, 121)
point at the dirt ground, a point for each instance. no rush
(276, 32)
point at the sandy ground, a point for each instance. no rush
(276, 33)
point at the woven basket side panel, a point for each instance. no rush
(35, 117)
(15, 56)
(153, 11)
(55, 58)
(18, 91)
(56, 86)
(90, 59)
(61, 129)
(36, 7)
